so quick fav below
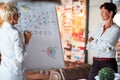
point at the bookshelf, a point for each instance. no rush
(72, 18)
(118, 53)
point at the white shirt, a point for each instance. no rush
(103, 42)
(13, 53)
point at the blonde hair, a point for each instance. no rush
(6, 11)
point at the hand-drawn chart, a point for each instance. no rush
(44, 50)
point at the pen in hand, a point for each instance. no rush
(27, 36)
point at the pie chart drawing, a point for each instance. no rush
(51, 52)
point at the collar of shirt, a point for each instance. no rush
(6, 25)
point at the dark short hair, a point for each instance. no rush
(110, 7)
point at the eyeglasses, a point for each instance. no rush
(19, 14)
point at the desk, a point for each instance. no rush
(71, 71)
(31, 75)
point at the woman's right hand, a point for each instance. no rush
(27, 36)
(90, 39)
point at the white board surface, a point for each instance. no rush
(44, 49)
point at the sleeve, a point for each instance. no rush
(20, 48)
(102, 45)
(105, 45)
(95, 34)
(92, 44)
(114, 35)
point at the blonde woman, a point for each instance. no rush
(12, 47)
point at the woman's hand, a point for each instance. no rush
(27, 36)
(90, 39)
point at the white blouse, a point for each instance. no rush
(13, 53)
(104, 44)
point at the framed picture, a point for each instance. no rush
(117, 2)
(116, 18)
(72, 18)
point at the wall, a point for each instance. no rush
(94, 21)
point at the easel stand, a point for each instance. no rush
(61, 73)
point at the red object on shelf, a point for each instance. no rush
(81, 48)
